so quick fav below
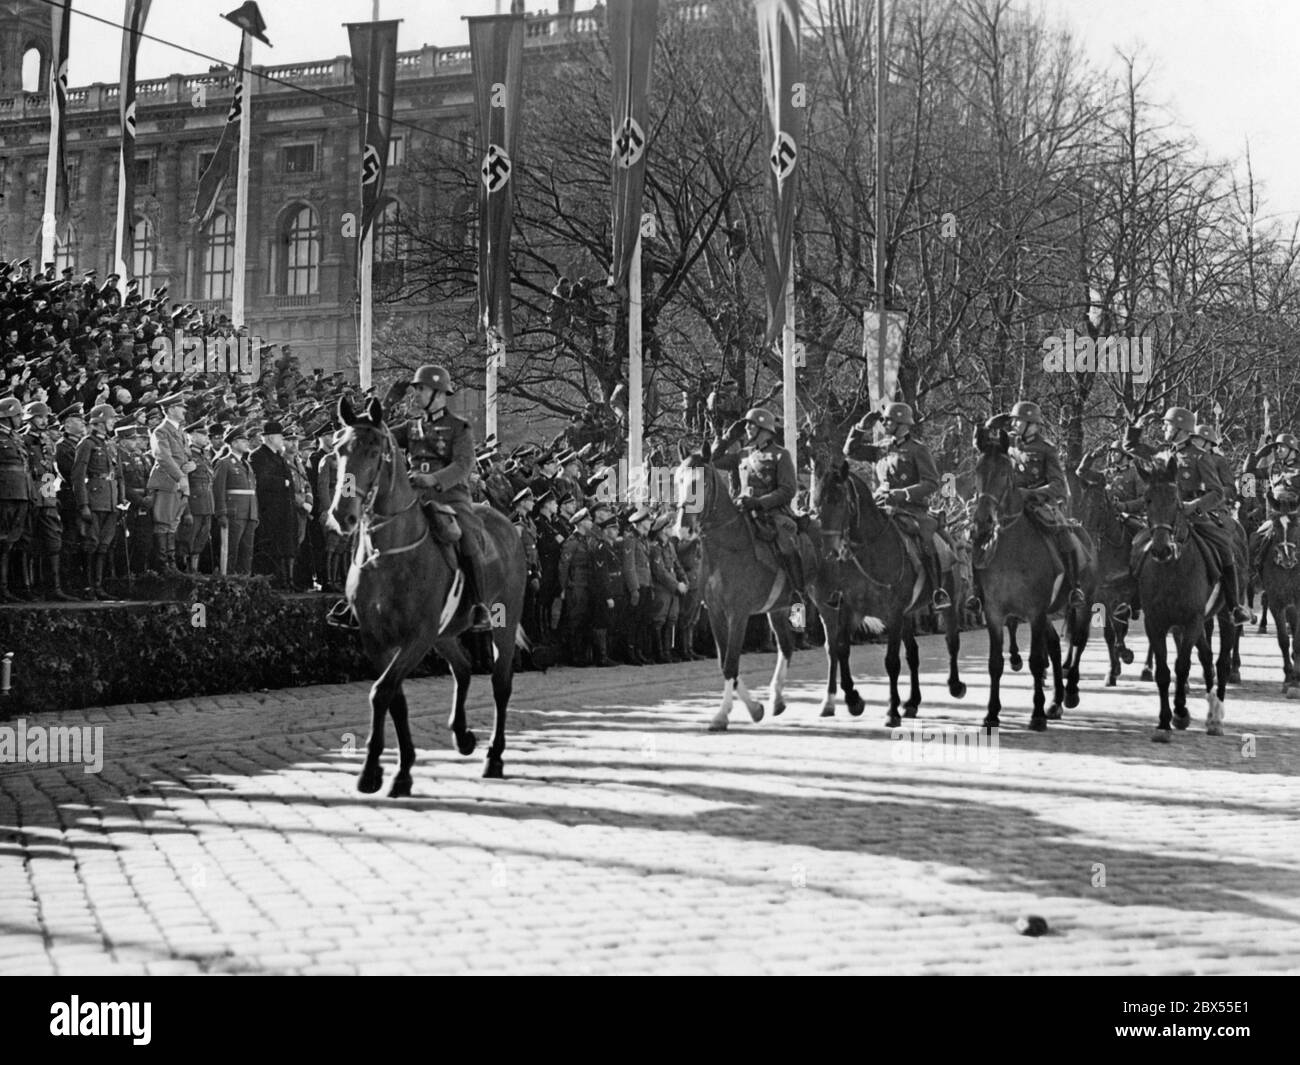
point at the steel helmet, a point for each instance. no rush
(1181, 419)
(10, 407)
(1288, 440)
(36, 409)
(1207, 432)
(900, 413)
(762, 418)
(436, 377)
(1029, 411)
(101, 412)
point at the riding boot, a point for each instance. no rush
(939, 597)
(194, 564)
(666, 637)
(600, 637)
(89, 561)
(1239, 613)
(100, 593)
(25, 567)
(56, 584)
(1070, 562)
(480, 616)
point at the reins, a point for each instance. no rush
(373, 522)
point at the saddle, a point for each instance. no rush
(912, 533)
(443, 526)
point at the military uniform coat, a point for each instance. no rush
(901, 465)
(1038, 468)
(766, 473)
(277, 530)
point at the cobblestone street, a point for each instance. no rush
(226, 834)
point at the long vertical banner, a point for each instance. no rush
(374, 68)
(132, 26)
(631, 43)
(57, 201)
(496, 44)
(778, 43)
(216, 175)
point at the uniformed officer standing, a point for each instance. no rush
(15, 487)
(303, 499)
(605, 570)
(1041, 479)
(74, 428)
(523, 522)
(766, 479)
(575, 587)
(46, 527)
(440, 453)
(907, 478)
(169, 479)
(549, 542)
(639, 582)
(670, 585)
(613, 645)
(277, 528)
(1281, 459)
(688, 617)
(1200, 490)
(136, 523)
(98, 486)
(234, 501)
(198, 529)
(335, 543)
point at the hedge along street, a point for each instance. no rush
(184, 354)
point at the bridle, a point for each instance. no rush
(843, 549)
(1001, 519)
(1172, 528)
(373, 522)
(710, 478)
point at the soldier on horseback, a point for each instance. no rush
(1041, 478)
(1282, 457)
(440, 456)
(907, 477)
(767, 482)
(1203, 496)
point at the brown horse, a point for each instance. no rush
(405, 588)
(737, 580)
(1114, 542)
(1020, 578)
(867, 577)
(1281, 586)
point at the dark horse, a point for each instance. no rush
(737, 580)
(1281, 585)
(867, 575)
(1180, 590)
(1020, 579)
(1114, 542)
(405, 589)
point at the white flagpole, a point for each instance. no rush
(367, 310)
(882, 302)
(635, 430)
(241, 186)
(789, 393)
(119, 263)
(51, 172)
(496, 350)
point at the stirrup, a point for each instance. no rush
(1076, 598)
(340, 616)
(940, 599)
(480, 618)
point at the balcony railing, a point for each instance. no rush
(287, 302)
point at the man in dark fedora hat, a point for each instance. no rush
(277, 530)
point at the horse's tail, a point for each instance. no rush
(873, 625)
(521, 639)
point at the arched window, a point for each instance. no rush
(389, 250)
(300, 239)
(217, 266)
(65, 251)
(33, 66)
(142, 254)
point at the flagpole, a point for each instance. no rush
(490, 419)
(635, 432)
(241, 187)
(48, 220)
(881, 301)
(365, 361)
(789, 384)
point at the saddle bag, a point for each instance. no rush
(443, 525)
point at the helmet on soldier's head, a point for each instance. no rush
(436, 377)
(10, 407)
(900, 413)
(101, 412)
(1181, 419)
(36, 409)
(1029, 411)
(1288, 440)
(762, 418)
(1207, 433)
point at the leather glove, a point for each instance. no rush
(396, 393)
(749, 504)
(897, 495)
(735, 431)
(85, 514)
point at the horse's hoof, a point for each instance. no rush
(1234, 677)
(1262, 630)
(990, 722)
(466, 742)
(1181, 721)
(778, 708)
(369, 780)
(1038, 723)
(828, 709)
(1071, 699)
(1054, 712)
(1294, 693)
(494, 769)
(755, 710)
(1017, 663)
(957, 689)
(1148, 675)
(718, 724)
(856, 705)
(1110, 680)
(1126, 656)
(892, 720)
(910, 708)
(1214, 730)
(1162, 735)
(401, 788)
